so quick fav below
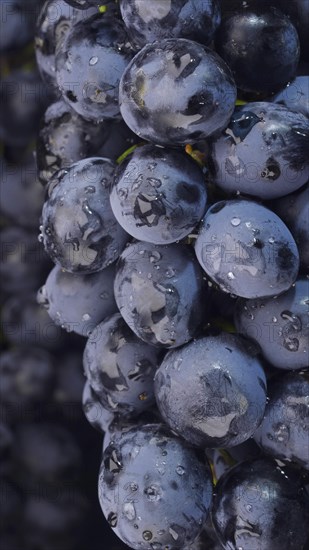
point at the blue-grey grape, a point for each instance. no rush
(212, 391)
(158, 195)
(79, 230)
(160, 292)
(247, 249)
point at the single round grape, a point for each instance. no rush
(259, 505)
(158, 195)
(78, 303)
(24, 322)
(153, 490)
(279, 325)
(149, 21)
(295, 96)
(212, 391)
(284, 432)
(46, 452)
(176, 91)
(90, 64)
(18, 19)
(247, 249)
(23, 98)
(64, 138)
(97, 415)
(261, 47)
(263, 152)
(120, 367)
(22, 196)
(160, 292)
(54, 22)
(79, 230)
(27, 376)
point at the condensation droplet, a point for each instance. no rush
(93, 60)
(147, 535)
(180, 470)
(230, 275)
(129, 510)
(235, 221)
(86, 317)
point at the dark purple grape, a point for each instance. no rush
(53, 24)
(65, 138)
(247, 249)
(22, 196)
(160, 292)
(258, 505)
(120, 367)
(295, 96)
(18, 19)
(149, 21)
(45, 453)
(23, 98)
(294, 211)
(154, 491)
(79, 230)
(176, 91)
(263, 152)
(158, 195)
(97, 415)
(279, 325)
(284, 432)
(90, 64)
(24, 322)
(78, 303)
(261, 47)
(212, 391)
(27, 377)
(23, 262)
(56, 521)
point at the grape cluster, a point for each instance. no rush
(170, 190)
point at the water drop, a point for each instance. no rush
(147, 535)
(129, 510)
(180, 470)
(86, 317)
(112, 519)
(153, 493)
(235, 221)
(170, 272)
(271, 240)
(274, 319)
(230, 275)
(93, 60)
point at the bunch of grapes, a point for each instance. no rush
(169, 188)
